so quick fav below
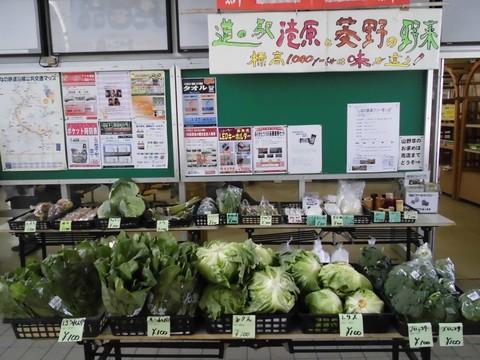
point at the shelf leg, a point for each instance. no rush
(21, 249)
(395, 351)
(249, 232)
(44, 245)
(88, 351)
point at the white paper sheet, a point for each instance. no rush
(150, 144)
(412, 150)
(305, 149)
(114, 95)
(270, 149)
(83, 145)
(235, 150)
(79, 96)
(117, 147)
(201, 146)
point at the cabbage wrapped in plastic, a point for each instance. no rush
(217, 301)
(343, 279)
(323, 301)
(304, 266)
(363, 301)
(470, 305)
(271, 290)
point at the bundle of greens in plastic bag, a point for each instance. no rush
(228, 199)
(375, 264)
(304, 266)
(126, 276)
(217, 300)
(470, 305)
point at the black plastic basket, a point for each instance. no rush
(402, 216)
(17, 223)
(295, 205)
(152, 224)
(364, 218)
(265, 324)
(202, 220)
(137, 325)
(69, 238)
(126, 223)
(49, 328)
(330, 324)
(76, 225)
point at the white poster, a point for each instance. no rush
(32, 135)
(423, 202)
(412, 149)
(117, 143)
(83, 145)
(305, 149)
(201, 147)
(270, 149)
(235, 150)
(312, 41)
(79, 96)
(114, 95)
(150, 144)
(148, 95)
(373, 137)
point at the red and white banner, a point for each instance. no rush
(285, 5)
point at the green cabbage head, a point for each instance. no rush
(323, 301)
(304, 267)
(343, 279)
(363, 301)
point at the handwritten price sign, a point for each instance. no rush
(351, 325)
(420, 335)
(158, 326)
(243, 326)
(71, 330)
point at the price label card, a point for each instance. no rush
(232, 219)
(30, 226)
(420, 335)
(265, 220)
(162, 225)
(243, 326)
(379, 216)
(114, 223)
(65, 225)
(158, 326)
(351, 325)
(317, 220)
(410, 215)
(71, 330)
(450, 334)
(394, 217)
(348, 220)
(295, 219)
(213, 219)
(337, 220)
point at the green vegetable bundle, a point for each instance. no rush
(124, 201)
(304, 266)
(217, 300)
(342, 279)
(376, 265)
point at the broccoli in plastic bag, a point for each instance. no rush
(470, 305)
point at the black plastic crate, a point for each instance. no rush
(126, 223)
(402, 215)
(17, 223)
(265, 324)
(357, 219)
(152, 224)
(137, 325)
(202, 220)
(49, 328)
(76, 225)
(330, 324)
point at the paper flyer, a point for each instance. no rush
(148, 94)
(83, 145)
(235, 150)
(79, 96)
(114, 95)
(305, 149)
(270, 149)
(116, 139)
(201, 146)
(412, 149)
(150, 144)
(373, 137)
(199, 102)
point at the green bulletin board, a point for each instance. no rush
(318, 98)
(106, 173)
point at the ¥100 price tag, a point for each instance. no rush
(158, 326)
(450, 334)
(265, 220)
(295, 219)
(394, 217)
(348, 220)
(232, 219)
(317, 220)
(420, 335)
(243, 326)
(410, 215)
(65, 225)
(30, 226)
(337, 220)
(71, 330)
(162, 225)
(351, 325)
(114, 223)
(379, 216)
(213, 219)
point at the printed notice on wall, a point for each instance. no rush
(373, 137)
(201, 146)
(148, 94)
(305, 149)
(199, 102)
(235, 150)
(270, 149)
(114, 95)
(411, 153)
(150, 144)
(79, 96)
(83, 145)
(116, 138)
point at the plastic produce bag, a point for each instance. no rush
(349, 196)
(423, 252)
(207, 206)
(470, 305)
(228, 199)
(445, 268)
(322, 254)
(340, 255)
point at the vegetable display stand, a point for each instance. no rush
(137, 325)
(330, 324)
(49, 328)
(264, 324)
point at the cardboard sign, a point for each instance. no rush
(213, 219)
(71, 330)
(420, 335)
(65, 225)
(450, 334)
(158, 326)
(232, 219)
(243, 326)
(351, 325)
(162, 225)
(114, 223)
(30, 226)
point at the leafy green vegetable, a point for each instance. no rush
(122, 188)
(376, 265)
(442, 308)
(304, 266)
(124, 200)
(470, 305)
(228, 199)
(217, 301)
(363, 301)
(132, 206)
(445, 269)
(10, 308)
(323, 301)
(265, 256)
(271, 290)
(343, 279)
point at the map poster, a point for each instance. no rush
(83, 145)
(79, 96)
(199, 102)
(270, 149)
(116, 139)
(114, 95)
(201, 146)
(32, 133)
(235, 150)
(150, 144)
(148, 94)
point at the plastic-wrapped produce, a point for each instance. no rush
(207, 206)
(349, 196)
(58, 210)
(470, 305)
(41, 210)
(228, 199)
